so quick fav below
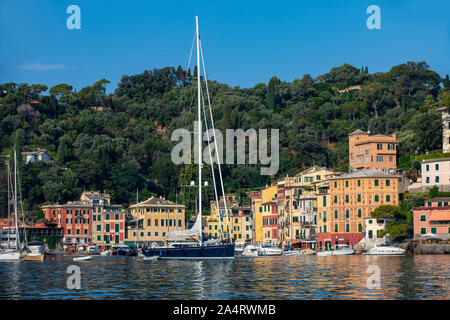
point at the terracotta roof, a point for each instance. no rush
(358, 131)
(435, 160)
(437, 199)
(158, 202)
(365, 174)
(96, 195)
(74, 204)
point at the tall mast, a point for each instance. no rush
(137, 219)
(15, 201)
(8, 176)
(199, 133)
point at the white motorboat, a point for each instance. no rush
(36, 247)
(250, 251)
(342, 250)
(385, 250)
(269, 250)
(239, 248)
(105, 253)
(293, 252)
(85, 258)
(9, 255)
(151, 258)
(324, 253)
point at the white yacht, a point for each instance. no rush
(239, 248)
(385, 250)
(342, 250)
(339, 250)
(250, 251)
(270, 250)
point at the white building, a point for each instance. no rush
(373, 228)
(436, 172)
(38, 155)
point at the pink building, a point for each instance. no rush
(436, 172)
(433, 217)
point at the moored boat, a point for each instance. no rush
(342, 250)
(85, 258)
(269, 250)
(250, 251)
(384, 250)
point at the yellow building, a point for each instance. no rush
(108, 221)
(265, 210)
(156, 217)
(349, 200)
(239, 216)
(313, 175)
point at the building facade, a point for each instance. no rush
(265, 209)
(433, 218)
(152, 220)
(445, 130)
(436, 172)
(377, 152)
(240, 218)
(75, 218)
(373, 229)
(349, 200)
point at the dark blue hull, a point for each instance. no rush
(225, 251)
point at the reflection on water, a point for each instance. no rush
(290, 277)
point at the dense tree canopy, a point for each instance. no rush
(120, 142)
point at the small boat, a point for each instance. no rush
(9, 255)
(385, 250)
(293, 252)
(270, 250)
(85, 258)
(35, 251)
(151, 258)
(342, 250)
(250, 251)
(324, 253)
(105, 253)
(239, 248)
(289, 251)
(34, 257)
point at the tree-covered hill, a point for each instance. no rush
(120, 142)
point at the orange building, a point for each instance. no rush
(377, 152)
(434, 218)
(350, 199)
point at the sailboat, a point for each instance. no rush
(199, 249)
(11, 254)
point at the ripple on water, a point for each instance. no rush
(293, 277)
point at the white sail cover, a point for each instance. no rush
(196, 230)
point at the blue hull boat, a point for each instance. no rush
(225, 251)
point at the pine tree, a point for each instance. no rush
(271, 100)
(62, 153)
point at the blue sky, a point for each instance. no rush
(245, 42)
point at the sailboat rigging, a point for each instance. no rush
(199, 250)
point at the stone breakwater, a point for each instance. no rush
(426, 248)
